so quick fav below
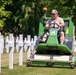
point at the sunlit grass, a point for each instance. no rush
(23, 70)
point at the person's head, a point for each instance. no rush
(54, 14)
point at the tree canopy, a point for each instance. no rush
(22, 16)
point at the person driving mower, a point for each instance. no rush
(59, 23)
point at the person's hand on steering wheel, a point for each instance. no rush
(57, 24)
(52, 25)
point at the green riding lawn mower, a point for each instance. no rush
(52, 53)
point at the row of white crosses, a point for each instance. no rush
(27, 44)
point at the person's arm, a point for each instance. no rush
(61, 23)
(47, 26)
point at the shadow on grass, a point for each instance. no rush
(6, 67)
(24, 63)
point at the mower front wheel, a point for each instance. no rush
(72, 66)
(28, 64)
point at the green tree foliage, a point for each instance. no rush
(3, 13)
(22, 16)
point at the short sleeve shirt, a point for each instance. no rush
(59, 20)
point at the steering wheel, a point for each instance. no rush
(54, 25)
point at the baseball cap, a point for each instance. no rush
(54, 11)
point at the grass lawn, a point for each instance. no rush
(23, 70)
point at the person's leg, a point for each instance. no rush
(44, 37)
(46, 33)
(61, 37)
